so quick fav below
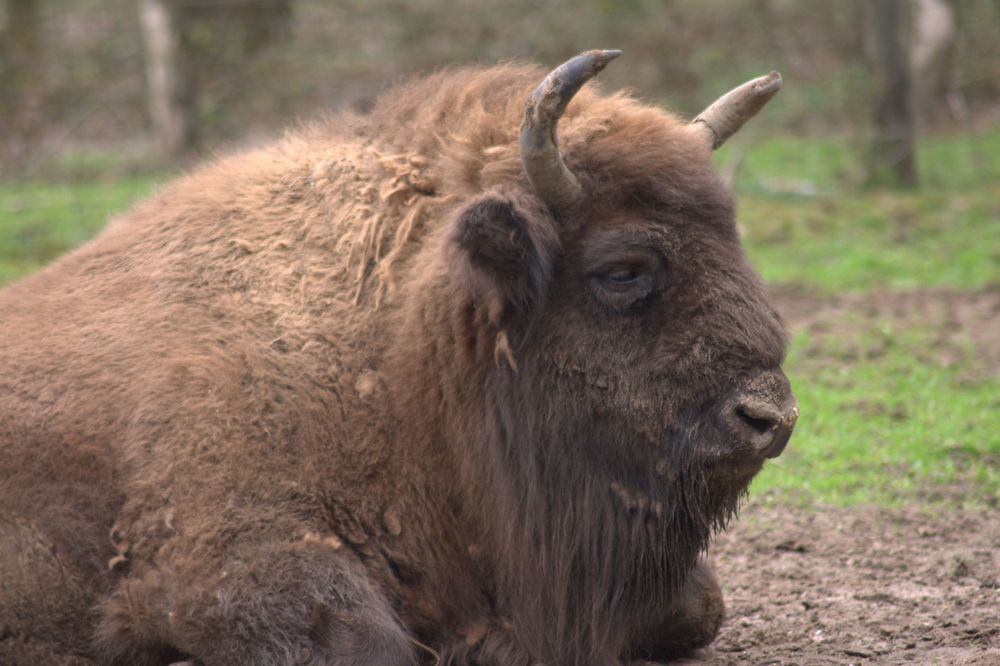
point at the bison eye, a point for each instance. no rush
(622, 276)
(624, 287)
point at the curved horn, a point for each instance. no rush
(554, 183)
(724, 117)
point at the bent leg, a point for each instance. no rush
(692, 621)
(56, 499)
(277, 603)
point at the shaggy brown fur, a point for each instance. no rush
(359, 398)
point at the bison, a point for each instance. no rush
(415, 386)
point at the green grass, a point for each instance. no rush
(888, 240)
(885, 421)
(806, 222)
(39, 221)
(898, 425)
(795, 165)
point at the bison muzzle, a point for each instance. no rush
(443, 383)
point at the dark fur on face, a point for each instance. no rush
(602, 448)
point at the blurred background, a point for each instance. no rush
(154, 80)
(869, 190)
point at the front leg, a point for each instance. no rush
(276, 603)
(691, 622)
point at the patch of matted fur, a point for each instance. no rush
(390, 191)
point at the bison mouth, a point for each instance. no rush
(746, 442)
(707, 465)
(753, 424)
(735, 471)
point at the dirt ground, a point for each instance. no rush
(825, 585)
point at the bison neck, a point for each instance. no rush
(583, 538)
(589, 541)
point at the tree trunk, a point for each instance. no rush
(892, 158)
(933, 57)
(168, 81)
(22, 37)
(20, 69)
(22, 99)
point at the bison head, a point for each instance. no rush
(624, 381)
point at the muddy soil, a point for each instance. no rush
(824, 585)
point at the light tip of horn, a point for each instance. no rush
(770, 83)
(601, 57)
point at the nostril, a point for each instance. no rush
(760, 424)
(761, 414)
(763, 425)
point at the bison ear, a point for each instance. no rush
(507, 252)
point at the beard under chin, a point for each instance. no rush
(584, 558)
(598, 526)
